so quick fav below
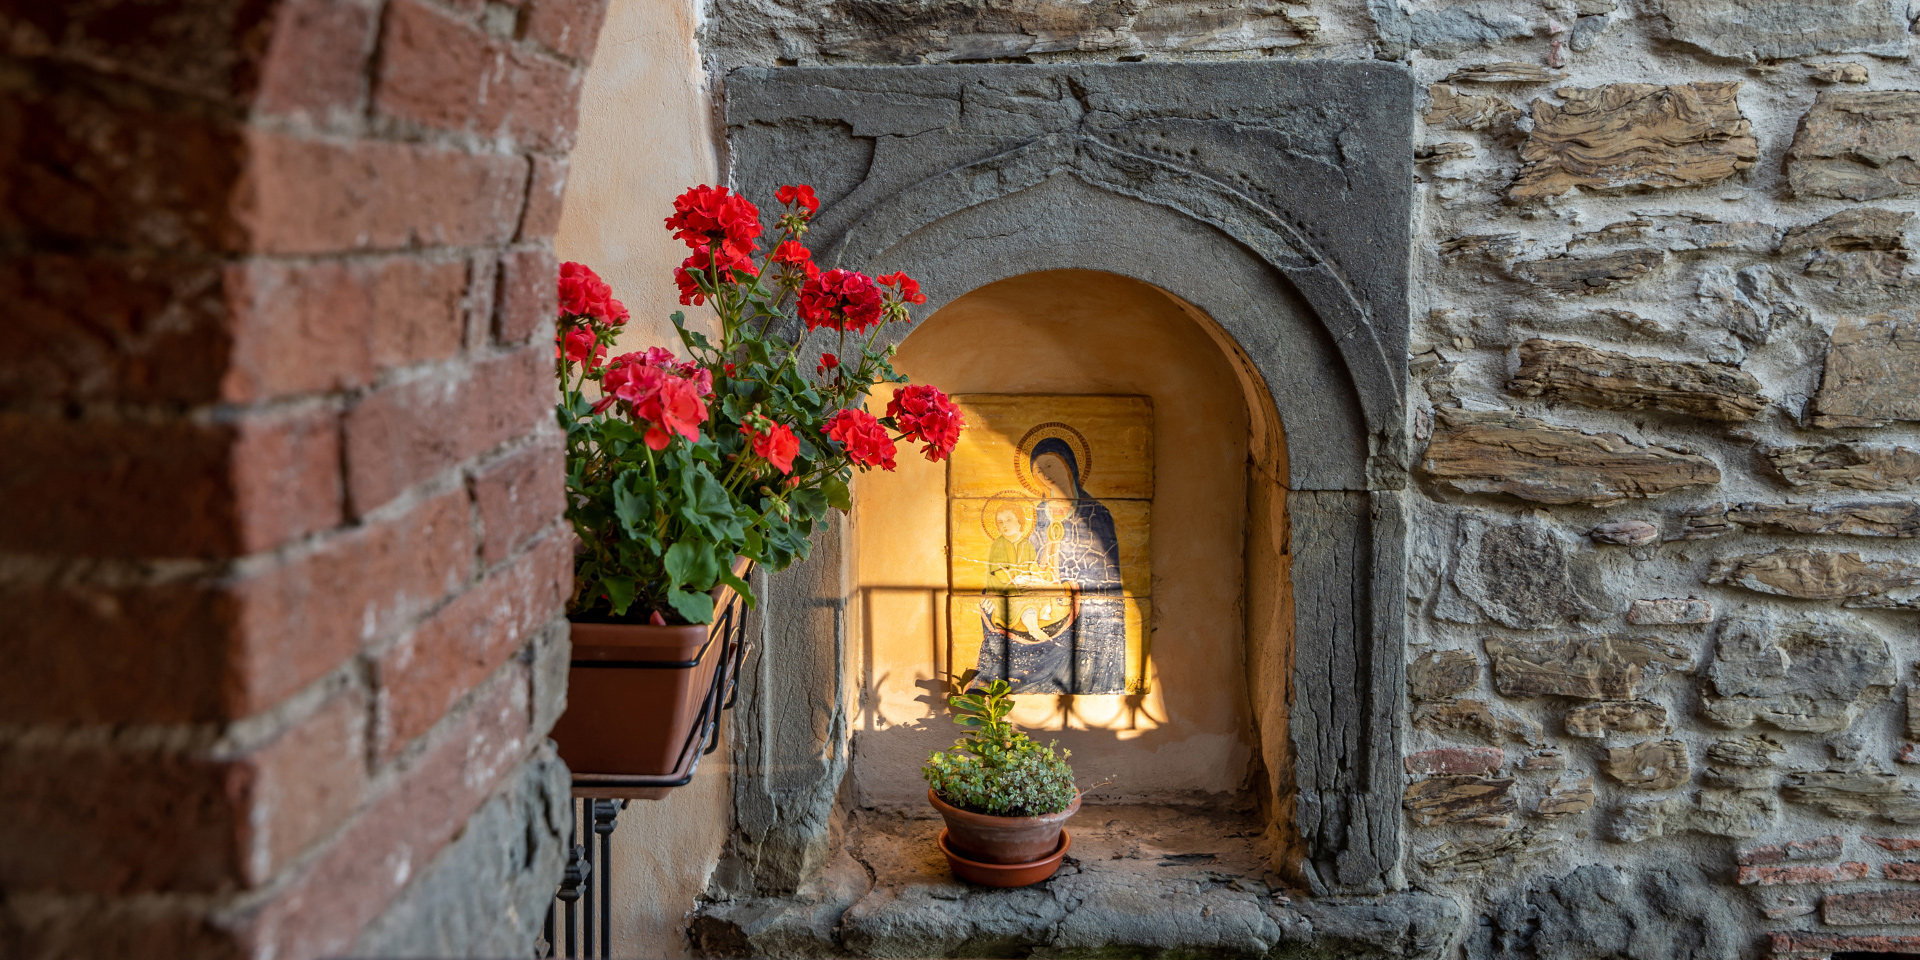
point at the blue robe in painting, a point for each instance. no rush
(1090, 654)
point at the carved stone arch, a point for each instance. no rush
(1260, 227)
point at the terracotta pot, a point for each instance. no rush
(628, 720)
(1005, 874)
(634, 694)
(1005, 840)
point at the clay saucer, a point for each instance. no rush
(1006, 874)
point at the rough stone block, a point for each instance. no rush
(1858, 228)
(1450, 109)
(1755, 31)
(1670, 611)
(1476, 718)
(1440, 674)
(1521, 573)
(1482, 801)
(1849, 466)
(1611, 667)
(1855, 794)
(1456, 760)
(1597, 720)
(1575, 373)
(1585, 275)
(1667, 911)
(1635, 136)
(1505, 71)
(1813, 574)
(1837, 72)
(1567, 797)
(1471, 857)
(1682, 232)
(1871, 907)
(1535, 460)
(1799, 677)
(1873, 373)
(1626, 533)
(1758, 751)
(1858, 145)
(1652, 765)
(1898, 519)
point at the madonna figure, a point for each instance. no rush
(1071, 644)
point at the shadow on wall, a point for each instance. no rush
(1190, 736)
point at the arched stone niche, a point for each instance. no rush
(1271, 198)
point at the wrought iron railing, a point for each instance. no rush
(580, 920)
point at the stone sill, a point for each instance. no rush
(1141, 880)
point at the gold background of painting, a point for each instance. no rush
(963, 652)
(968, 544)
(1112, 434)
(1118, 430)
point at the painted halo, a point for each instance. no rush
(1023, 454)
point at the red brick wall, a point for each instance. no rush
(278, 484)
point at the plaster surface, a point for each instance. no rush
(1070, 332)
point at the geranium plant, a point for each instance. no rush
(677, 465)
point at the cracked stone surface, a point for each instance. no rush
(1139, 880)
(1801, 677)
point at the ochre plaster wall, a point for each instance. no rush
(644, 137)
(1073, 332)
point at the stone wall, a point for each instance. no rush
(281, 567)
(1664, 378)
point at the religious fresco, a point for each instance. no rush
(1050, 503)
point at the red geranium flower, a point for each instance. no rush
(579, 345)
(924, 413)
(866, 441)
(773, 442)
(827, 362)
(704, 216)
(584, 294)
(791, 253)
(802, 194)
(841, 299)
(694, 268)
(667, 397)
(909, 288)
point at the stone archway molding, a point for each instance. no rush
(1274, 198)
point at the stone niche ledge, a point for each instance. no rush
(1140, 881)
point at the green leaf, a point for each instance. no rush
(837, 494)
(692, 564)
(619, 592)
(696, 607)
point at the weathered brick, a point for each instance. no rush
(315, 63)
(83, 163)
(529, 296)
(396, 835)
(1871, 907)
(448, 74)
(428, 670)
(1904, 870)
(210, 48)
(545, 190)
(175, 930)
(1797, 945)
(1776, 876)
(408, 432)
(1818, 848)
(115, 488)
(334, 324)
(568, 27)
(1896, 844)
(300, 620)
(112, 328)
(101, 819)
(517, 497)
(308, 196)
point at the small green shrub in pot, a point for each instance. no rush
(996, 769)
